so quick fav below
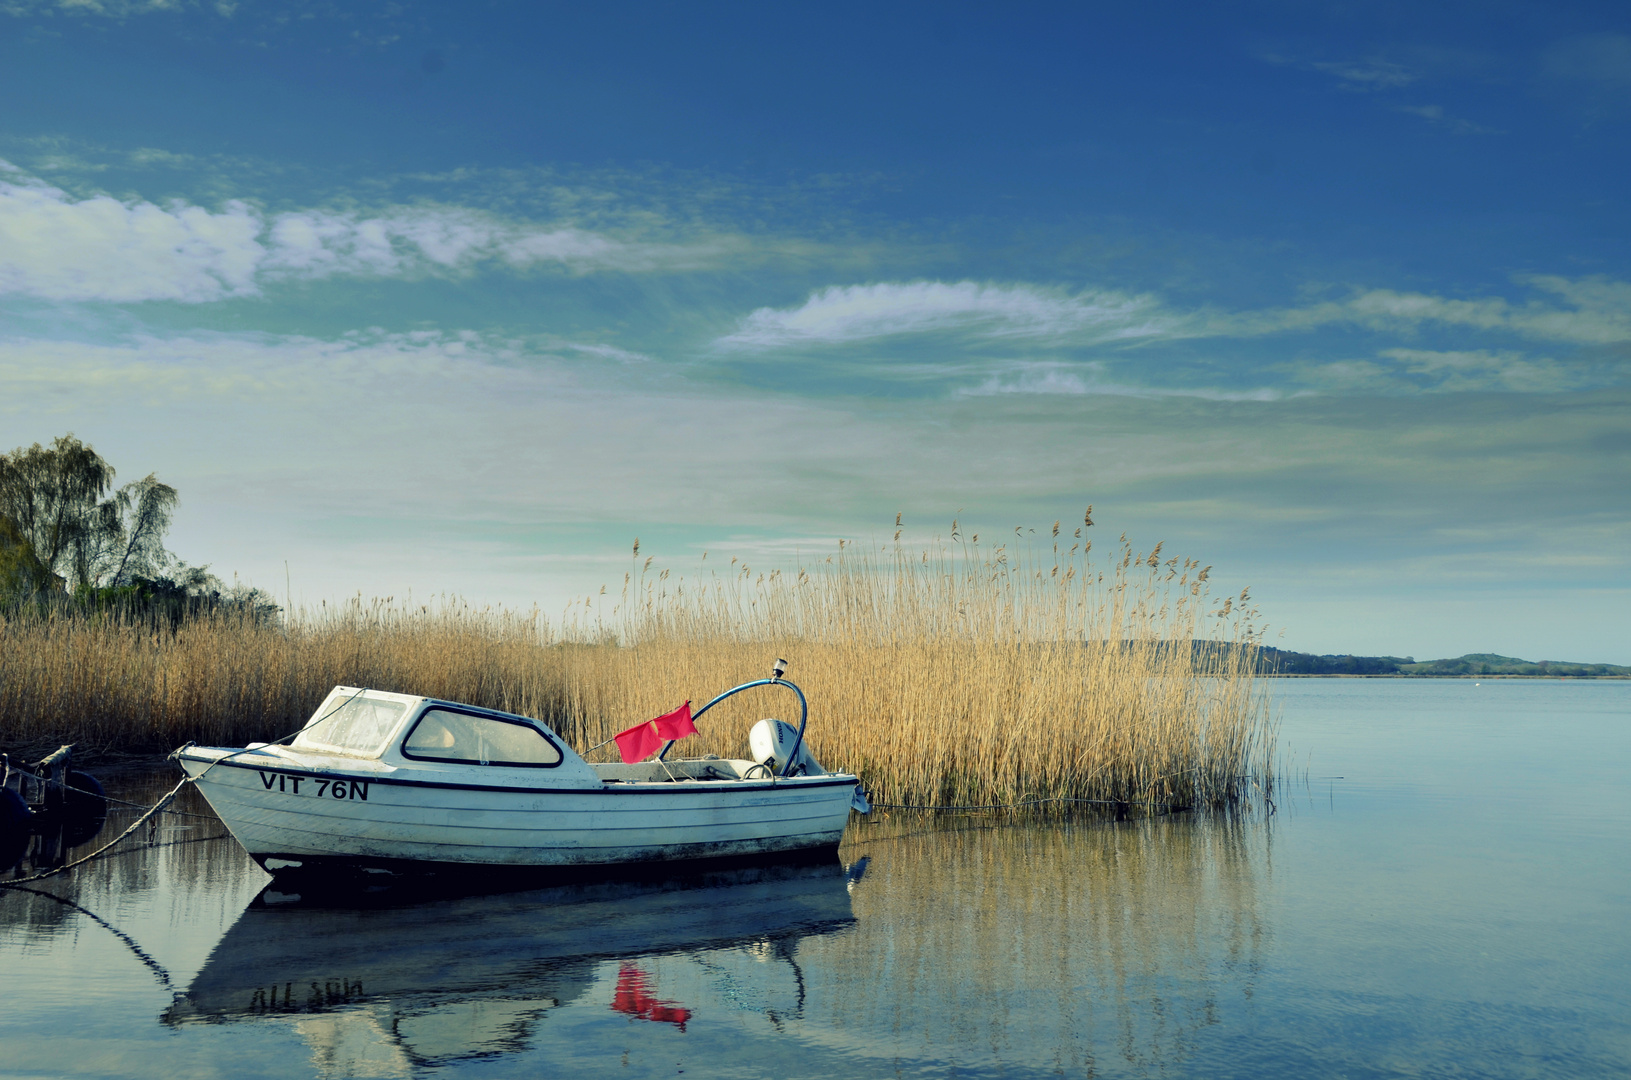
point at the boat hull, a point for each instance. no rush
(290, 818)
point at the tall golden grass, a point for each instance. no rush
(956, 673)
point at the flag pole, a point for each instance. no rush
(775, 679)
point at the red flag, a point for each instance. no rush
(639, 742)
(677, 724)
(643, 740)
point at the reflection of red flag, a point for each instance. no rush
(634, 997)
(668, 1014)
(638, 743)
(677, 724)
(631, 987)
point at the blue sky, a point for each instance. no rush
(461, 298)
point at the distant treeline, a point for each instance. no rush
(1280, 662)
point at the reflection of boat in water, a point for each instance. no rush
(438, 980)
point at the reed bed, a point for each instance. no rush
(947, 674)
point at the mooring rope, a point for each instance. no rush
(64, 785)
(160, 805)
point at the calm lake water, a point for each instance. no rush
(1443, 890)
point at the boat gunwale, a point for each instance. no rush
(618, 787)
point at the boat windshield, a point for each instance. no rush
(444, 735)
(358, 726)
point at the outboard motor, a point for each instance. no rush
(771, 741)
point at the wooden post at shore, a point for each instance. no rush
(54, 768)
(50, 799)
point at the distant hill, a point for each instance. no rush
(1281, 662)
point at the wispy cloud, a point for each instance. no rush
(1481, 369)
(841, 315)
(1435, 114)
(406, 240)
(1373, 74)
(1377, 75)
(1412, 371)
(1601, 60)
(1055, 379)
(276, 14)
(1369, 74)
(1596, 311)
(114, 8)
(611, 352)
(1582, 311)
(58, 247)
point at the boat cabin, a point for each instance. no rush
(375, 730)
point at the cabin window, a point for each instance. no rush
(444, 735)
(357, 725)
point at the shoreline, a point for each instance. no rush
(1395, 675)
(115, 761)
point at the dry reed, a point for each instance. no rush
(953, 674)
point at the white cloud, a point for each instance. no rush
(1057, 379)
(1385, 307)
(1481, 369)
(1601, 315)
(1435, 114)
(117, 9)
(1050, 380)
(1376, 75)
(845, 314)
(56, 247)
(1412, 371)
(1598, 312)
(1592, 312)
(612, 352)
(407, 240)
(1373, 73)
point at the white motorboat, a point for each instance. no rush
(379, 781)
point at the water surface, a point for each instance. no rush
(1442, 889)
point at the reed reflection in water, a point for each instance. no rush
(1042, 945)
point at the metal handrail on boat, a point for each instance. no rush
(774, 680)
